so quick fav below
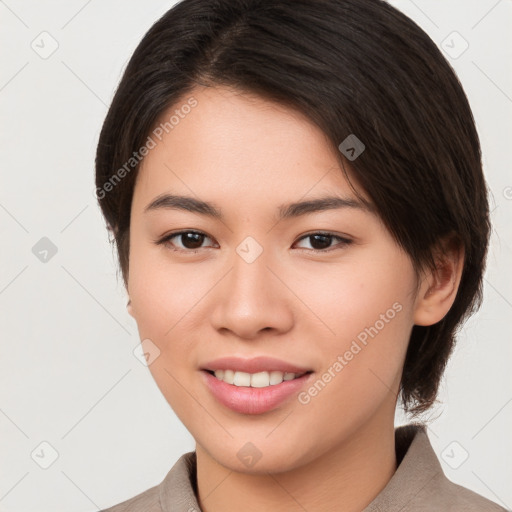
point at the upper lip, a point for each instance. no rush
(253, 365)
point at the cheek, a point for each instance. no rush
(355, 295)
(367, 315)
(362, 366)
(163, 298)
(162, 294)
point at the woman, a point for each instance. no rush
(296, 196)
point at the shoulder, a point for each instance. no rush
(176, 491)
(439, 492)
(453, 497)
(147, 501)
(419, 483)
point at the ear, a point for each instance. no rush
(439, 286)
(129, 307)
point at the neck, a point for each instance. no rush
(353, 473)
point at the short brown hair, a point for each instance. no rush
(352, 67)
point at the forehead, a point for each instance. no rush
(234, 146)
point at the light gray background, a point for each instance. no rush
(68, 373)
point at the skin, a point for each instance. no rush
(248, 156)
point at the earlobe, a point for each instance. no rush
(440, 285)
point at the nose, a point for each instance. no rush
(252, 299)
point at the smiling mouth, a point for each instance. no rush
(255, 380)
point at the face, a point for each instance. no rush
(322, 290)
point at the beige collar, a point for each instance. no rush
(418, 483)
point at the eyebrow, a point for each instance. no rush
(286, 211)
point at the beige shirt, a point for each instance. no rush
(418, 484)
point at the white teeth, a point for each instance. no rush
(254, 380)
(242, 379)
(276, 378)
(229, 376)
(260, 380)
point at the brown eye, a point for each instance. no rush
(191, 240)
(321, 242)
(185, 241)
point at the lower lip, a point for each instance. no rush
(248, 400)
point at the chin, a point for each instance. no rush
(260, 455)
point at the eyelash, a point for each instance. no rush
(167, 238)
